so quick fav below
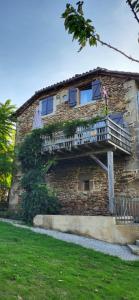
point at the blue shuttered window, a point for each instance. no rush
(43, 107)
(47, 106)
(72, 96)
(96, 89)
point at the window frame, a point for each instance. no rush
(83, 88)
(54, 106)
(81, 185)
(87, 181)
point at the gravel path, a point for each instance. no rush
(112, 249)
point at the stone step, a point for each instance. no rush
(137, 242)
(134, 249)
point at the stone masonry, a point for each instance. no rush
(65, 176)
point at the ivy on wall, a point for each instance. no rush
(68, 127)
(36, 198)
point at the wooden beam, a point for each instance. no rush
(83, 154)
(99, 162)
(110, 181)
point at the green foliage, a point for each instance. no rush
(7, 133)
(134, 5)
(51, 128)
(8, 213)
(6, 123)
(70, 127)
(30, 151)
(38, 200)
(82, 29)
(31, 179)
(105, 110)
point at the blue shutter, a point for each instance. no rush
(72, 96)
(43, 107)
(96, 89)
(49, 105)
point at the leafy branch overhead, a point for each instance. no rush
(134, 5)
(83, 30)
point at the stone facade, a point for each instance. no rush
(65, 176)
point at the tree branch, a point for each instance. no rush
(83, 31)
(117, 50)
(133, 10)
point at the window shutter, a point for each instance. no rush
(49, 105)
(96, 89)
(72, 97)
(43, 107)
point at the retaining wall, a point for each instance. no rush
(98, 227)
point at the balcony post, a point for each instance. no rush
(110, 181)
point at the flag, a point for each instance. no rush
(104, 92)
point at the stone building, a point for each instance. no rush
(98, 165)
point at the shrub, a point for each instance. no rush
(10, 214)
(39, 200)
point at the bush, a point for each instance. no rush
(39, 200)
(10, 214)
(3, 205)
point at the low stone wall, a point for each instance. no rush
(98, 227)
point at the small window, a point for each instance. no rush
(65, 98)
(86, 95)
(86, 185)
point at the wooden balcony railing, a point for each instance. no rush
(104, 133)
(126, 209)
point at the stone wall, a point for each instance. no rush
(64, 178)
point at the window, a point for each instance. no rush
(65, 98)
(47, 106)
(85, 95)
(91, 92)
(86, 185)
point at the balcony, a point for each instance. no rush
(100, 137)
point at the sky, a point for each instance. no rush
(36, 51)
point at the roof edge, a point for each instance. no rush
(77, 77)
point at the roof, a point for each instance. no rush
(74, 80)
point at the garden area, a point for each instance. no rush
(36, 267)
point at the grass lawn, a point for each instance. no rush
(37, 267)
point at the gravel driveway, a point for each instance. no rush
(112, 249)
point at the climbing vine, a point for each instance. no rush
(36, 197)
(68, 127)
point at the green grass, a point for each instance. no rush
(37, 267)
